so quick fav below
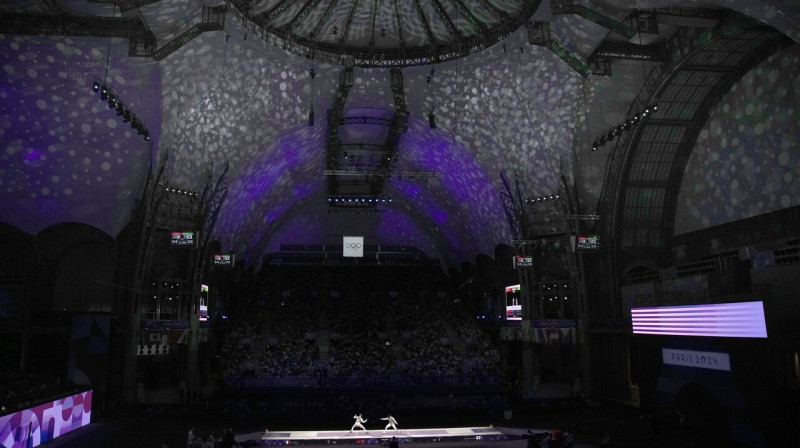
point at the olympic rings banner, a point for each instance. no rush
(353, 246)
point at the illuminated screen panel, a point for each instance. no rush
(183, 239)
(731, 320)
(513, 306)
(40, 424)
(226, 260)
(587, 242)
(523, 261)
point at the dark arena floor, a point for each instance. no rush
(146, 427)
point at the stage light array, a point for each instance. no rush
(625, 125)
(357, 201)
(106, 94)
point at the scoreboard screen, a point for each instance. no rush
(183, 239)
(587, 242)
(223, 260)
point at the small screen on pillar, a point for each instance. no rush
(587, 242)
(183, 239)
(224, 260)
(513, 303)
(203, 303)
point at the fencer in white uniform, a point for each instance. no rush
(392, 423)
(359, 422)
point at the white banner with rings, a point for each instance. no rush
(353, 246)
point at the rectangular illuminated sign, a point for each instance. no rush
(732, 320)
(523, 261)
(183, 239)
(353, 246)
(693, 358)
(223, 259)
(39, 424)
(587, 242)
(513, 312)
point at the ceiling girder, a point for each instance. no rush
(347, 24)
(499, 13)
(615, 49)
(444, 17)
(276, 10)
(400, 29)
(479, 26)
(324, 19)
(302, 14)
(431, 39)
(559, 7)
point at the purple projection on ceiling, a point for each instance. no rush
(746, 160)
(250, 110)
(222, 98)
(64, 155)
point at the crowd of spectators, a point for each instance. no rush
(291, 346)
(427, 351)
(359, 341)
(22, 391)
(378, 324)
(236, 352)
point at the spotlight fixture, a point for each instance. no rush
(628, 122)
(114, 103)
(544, 198)
(311, 117)
(357, 201)
(431, 120)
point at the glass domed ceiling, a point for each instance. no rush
(372, 33)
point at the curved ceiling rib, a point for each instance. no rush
(646, 169)
(452, 29)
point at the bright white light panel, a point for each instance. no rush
(732, 320)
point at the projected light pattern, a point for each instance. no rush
(223, 99)
(209, 123)
(746, 160)
(733, 320)
(46, 421)
(64, 155)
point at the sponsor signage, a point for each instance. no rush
(553, 323)
(697, 359)
(353, 246)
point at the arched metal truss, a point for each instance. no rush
(645, 169)
(391, 33)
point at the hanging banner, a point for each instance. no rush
(353, 246)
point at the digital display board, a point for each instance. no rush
(513, 306)
(587, 242)
(39, 424)
(225, 260)
(523, 261)
(732, 320)
(183, 239)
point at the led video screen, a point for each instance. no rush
(183, 239)
(513, 303)
(225, 260)
(39, 424)
(732, 320)
(523, 261)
